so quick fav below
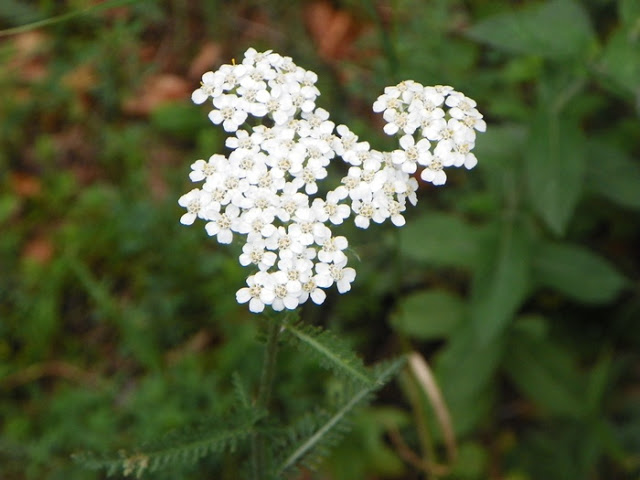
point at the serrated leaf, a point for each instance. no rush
(187, 445)
(577, 272)
(555, 163)
(555, 29)
(613, 174)
(329, 430)
(440, 239)
(544, 372)
(428, 314)
(330, 351)
(502, 281)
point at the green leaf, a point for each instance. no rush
(472, 461)
(555, 159)
(545, 373)
(502, 281)
(465, 370)
(330, 350)
(428, 314)
(498, 146)
(365, 451)
(555, 29)
(600, 379)
(576, 272)
(620, 60)
(629, 12)
(186, 446)
(331, 429)
(440, 239)
(613, 174)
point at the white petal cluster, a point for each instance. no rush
(265, 192)
(437, 128)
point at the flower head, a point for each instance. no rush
(267, 192)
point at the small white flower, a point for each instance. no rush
(434, 173)
(411, 154)
(229, 112)
(287, 293)
(337, 273)
(308, 229)
(208, 88)
(196, 202)
(298, 269)
(330, 209)
(256, 223)
(311, 289)
(259, 292)
(254, 253)
(332, 250)
(369, 208)
(222, 224)
(291, 202)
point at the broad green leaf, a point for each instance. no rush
(555, 29)
(429, 314)
(472, 461)
(555, 159)
(502, 281)
(545, 373)
(620, 60)
(600, 379)
(499, 147)
(613, 174)
(576, 272)
(629, 11)
(465, 370)
(440, 239)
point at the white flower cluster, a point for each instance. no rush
(411, 110)
(265, 190)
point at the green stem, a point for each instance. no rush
(264, 395)
(63, 17)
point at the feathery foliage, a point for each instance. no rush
(316, 434)
(185, 446)
(330, 351)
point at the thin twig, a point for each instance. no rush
(412, 457)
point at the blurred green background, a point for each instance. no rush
(517, 281)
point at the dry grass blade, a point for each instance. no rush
(426, 380)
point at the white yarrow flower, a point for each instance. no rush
(266, 191)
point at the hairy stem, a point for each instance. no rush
(264, 394)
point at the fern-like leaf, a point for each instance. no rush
(240, 391)
(331, 351)
(320, 436)
(181, 446)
